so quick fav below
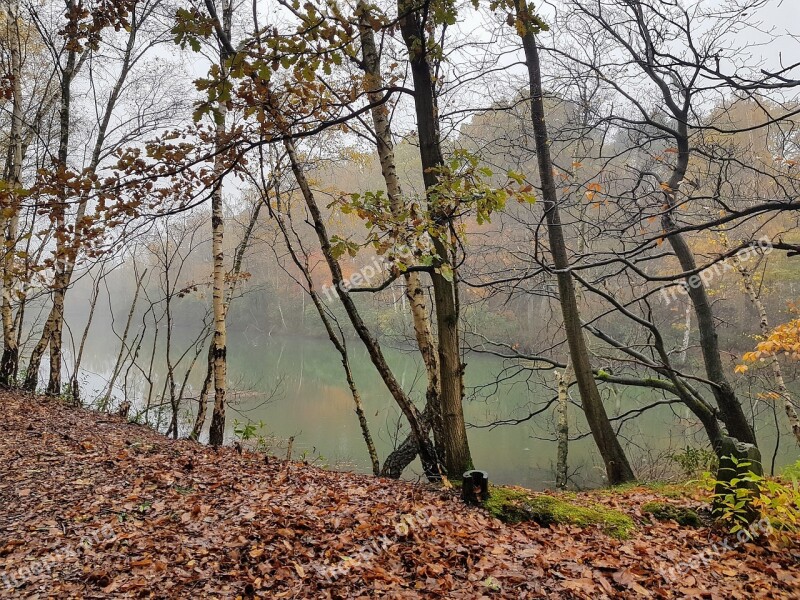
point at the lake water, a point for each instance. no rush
(296, 387)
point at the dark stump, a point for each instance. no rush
(475, 487)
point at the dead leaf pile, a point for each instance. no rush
(93, 507)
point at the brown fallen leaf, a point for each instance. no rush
(141, 562)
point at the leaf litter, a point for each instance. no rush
(95, 507)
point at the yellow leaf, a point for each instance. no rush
(299, 569)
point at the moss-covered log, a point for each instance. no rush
(515, 505)
(663, 511)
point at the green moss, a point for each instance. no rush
(668, 490)
(516, 505)
(670, 512)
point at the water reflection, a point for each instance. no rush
(296, 387)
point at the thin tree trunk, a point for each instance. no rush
(338, 341)
(425, 448)
(150, 382)
(780, 384)
(618, 469)
(61, 280)
(687, 336)
(76, 392)
(66, 258)
(123, 345)
(562, 428)
(13, 175)
(238, 259)
(730, 409)
(202, 399)
(413, 288)
(216, 433)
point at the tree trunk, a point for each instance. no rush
(562, 429)
(76, 392)
(418, 429)
(202, 399)
(238, 258)
(61, 280)
(13, 175)
(338, 341)
(457, 457)
(731, 412)
(687, 337)
(121, 358)
(216, 432)
(413, 286)
(66, 257)
(777, 374)
(618, 469)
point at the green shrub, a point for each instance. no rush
(746, 497)
(694, 461)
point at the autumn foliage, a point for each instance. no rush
(784, 339)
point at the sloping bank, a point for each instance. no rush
(94, 507)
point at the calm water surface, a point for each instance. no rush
(295, 386)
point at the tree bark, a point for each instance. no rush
(235, 271)
(618, 469)
(562, 429)
(338, 341)
(457, 458)
(731, 412)
(420, 317)
(418, 429)
(74, 385)
(121, 358)
(61, 280)
(216, 432)
(66, 256)
(13, 175)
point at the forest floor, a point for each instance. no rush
(94, 507)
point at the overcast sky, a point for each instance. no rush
(783, 18)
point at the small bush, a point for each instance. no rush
(751, 496)
(792, 472)
(694, 461)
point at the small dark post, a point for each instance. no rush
(475, 487)
(123, 409)
(747, 460)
